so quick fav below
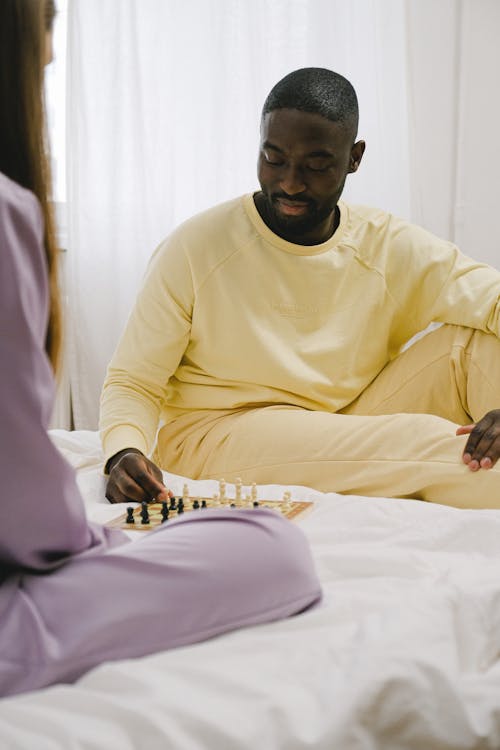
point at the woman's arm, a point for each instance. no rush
(42, 514)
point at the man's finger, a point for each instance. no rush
(114, 495)
(150, 484)
(128, 488)
(487, 450)
(482, 448)
(467, 429)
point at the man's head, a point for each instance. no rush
(308, 132)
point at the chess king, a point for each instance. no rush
(267, 339)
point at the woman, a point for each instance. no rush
(73, 594)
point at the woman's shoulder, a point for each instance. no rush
(21, 233)
(18, 201)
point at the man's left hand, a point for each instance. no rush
(482, 449)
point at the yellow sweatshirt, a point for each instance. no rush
(232, 316)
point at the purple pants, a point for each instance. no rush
(194, 578)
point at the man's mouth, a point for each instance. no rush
(291, 208)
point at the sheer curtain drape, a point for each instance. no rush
(164, 99)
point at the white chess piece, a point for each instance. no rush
(238, 488)
(222, 489)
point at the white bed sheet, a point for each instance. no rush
(404, 651)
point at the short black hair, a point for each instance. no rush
(316, 90)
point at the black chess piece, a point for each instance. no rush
(203, 503)
(144, 513)
(196, 504)
(173, 505)
(130, 516)
(164, 511)
(255, 503)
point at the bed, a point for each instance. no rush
(404, 651)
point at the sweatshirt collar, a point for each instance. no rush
(291, 247)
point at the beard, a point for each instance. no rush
(293, 227)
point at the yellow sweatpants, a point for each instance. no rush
(397, 439)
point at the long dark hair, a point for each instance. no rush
(24, 25)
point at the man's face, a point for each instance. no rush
(304, 159)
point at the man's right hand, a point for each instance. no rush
(134, 478)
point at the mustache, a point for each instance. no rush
(292, 198)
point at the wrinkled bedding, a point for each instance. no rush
(403, 652)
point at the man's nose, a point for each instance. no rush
(292, 180)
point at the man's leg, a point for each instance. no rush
(194, 578)
(454, 371)
(398, 455)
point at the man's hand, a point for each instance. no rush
(482, 449)
(133, 477)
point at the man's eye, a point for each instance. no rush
(273, 161)
(318, 167)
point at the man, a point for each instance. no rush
(266, 340)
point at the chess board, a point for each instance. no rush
(291, 509)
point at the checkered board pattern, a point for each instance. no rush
(291, 509)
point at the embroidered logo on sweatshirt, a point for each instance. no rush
(295, 310)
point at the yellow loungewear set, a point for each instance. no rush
(281, 363)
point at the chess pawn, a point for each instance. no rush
(287, 498)
(185, 491)
(144, 513)
(215, 500)
(253, 491)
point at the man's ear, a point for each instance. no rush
(357, 152)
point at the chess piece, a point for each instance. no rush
(222, 489)
(253, 491)
(185, 491)
(130, 516)
(238, 488)
(144, 513)
(164, 511)
(203, 503)
(196, 504)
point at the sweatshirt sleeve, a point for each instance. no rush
(152, 345)
(434, 282)
(43, 517)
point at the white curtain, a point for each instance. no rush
(164, 100)
(453, 67)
